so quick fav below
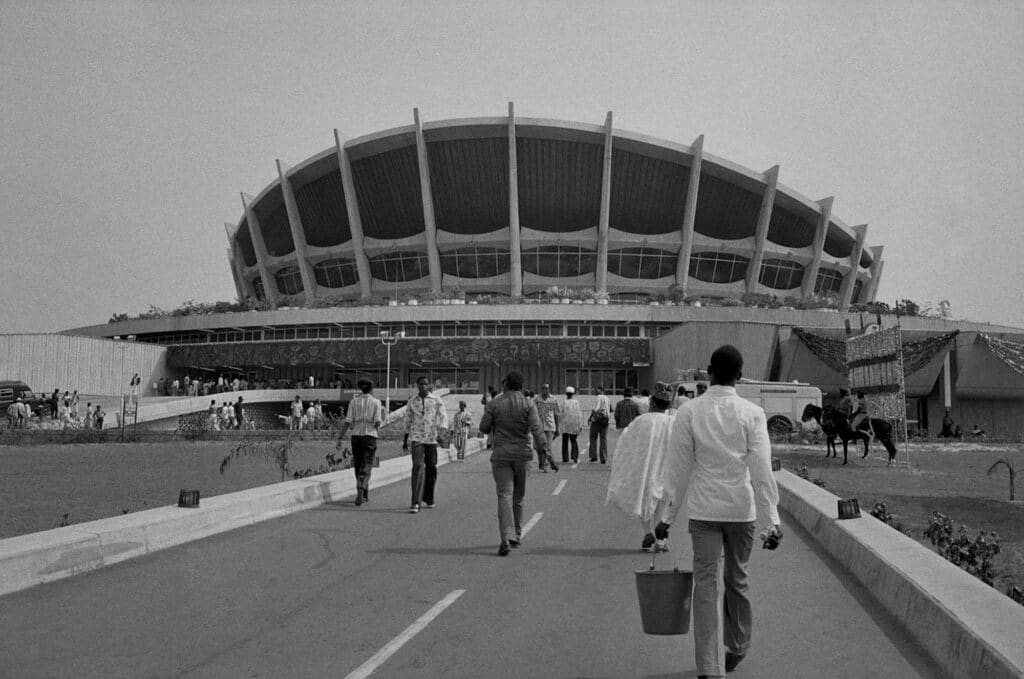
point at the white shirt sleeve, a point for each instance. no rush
(759, 463)
(679, 463)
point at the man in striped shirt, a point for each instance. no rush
(365, 415)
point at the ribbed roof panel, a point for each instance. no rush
(273, 220)
(322, 209)
(244, 240)
(388, 192)
(469, 183)
(725, 210)
(559, 184)
(648, 195)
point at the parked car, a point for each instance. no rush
(10, 390)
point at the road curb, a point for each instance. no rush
(966, 626)
(36, 558)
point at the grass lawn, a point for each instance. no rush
(39, 484)
(942, 477)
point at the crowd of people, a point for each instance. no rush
(64, 410)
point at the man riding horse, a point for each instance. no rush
(836, 422)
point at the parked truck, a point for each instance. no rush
(783, 402)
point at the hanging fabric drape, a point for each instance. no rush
(916, 355)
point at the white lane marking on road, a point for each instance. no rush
(381, 656)
(532, 522)
(559, 487)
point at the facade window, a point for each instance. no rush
(559, 261)
(642, 263)
(396, 267)
(829, 282)
(718, 267)
(781, 274)
(289, 280)
(630, 298)
(475, 262)
(858, 287)
(587, 380)
(336, 273)
(257, 288)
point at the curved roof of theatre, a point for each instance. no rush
(558, 181)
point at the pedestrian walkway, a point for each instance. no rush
(350, 591)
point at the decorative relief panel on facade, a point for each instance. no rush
(440, 351)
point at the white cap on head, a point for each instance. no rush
(570, 390)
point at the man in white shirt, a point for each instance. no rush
(365, 416)
(720, 466)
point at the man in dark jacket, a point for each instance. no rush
(510, 419)
(626, 410)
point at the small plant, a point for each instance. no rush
(806, 476)
(277, 452)
(1009, 469)
(972, 555)
(881, 512)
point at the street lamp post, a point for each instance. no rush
(389, 340)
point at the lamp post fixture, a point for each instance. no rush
(389, 340)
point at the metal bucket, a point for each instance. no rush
(665, 599)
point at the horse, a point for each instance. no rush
(834, 424)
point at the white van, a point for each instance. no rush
(783, 402)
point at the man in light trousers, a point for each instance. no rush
(719, 465)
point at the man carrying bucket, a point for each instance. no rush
(720, 465)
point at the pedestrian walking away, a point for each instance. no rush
(364, 417)
(719, 469)
(626, 410)
(425, 418)
(571, 423)
(510, 419)
(600, 416)
(636, 486)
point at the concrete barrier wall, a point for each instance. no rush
(29, 560)
(67, 362)
(968, 627)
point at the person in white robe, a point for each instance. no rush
(636, 485)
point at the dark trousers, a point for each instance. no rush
(598, 442)
(567, 441)
(510, 483)
(547, 444)
(424, 472)
(364, 449)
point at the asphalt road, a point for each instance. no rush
(348, 592)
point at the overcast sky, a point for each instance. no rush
(128, 129)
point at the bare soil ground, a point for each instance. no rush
(39, 484)
(941, 477)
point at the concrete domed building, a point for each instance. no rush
(515, 206)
